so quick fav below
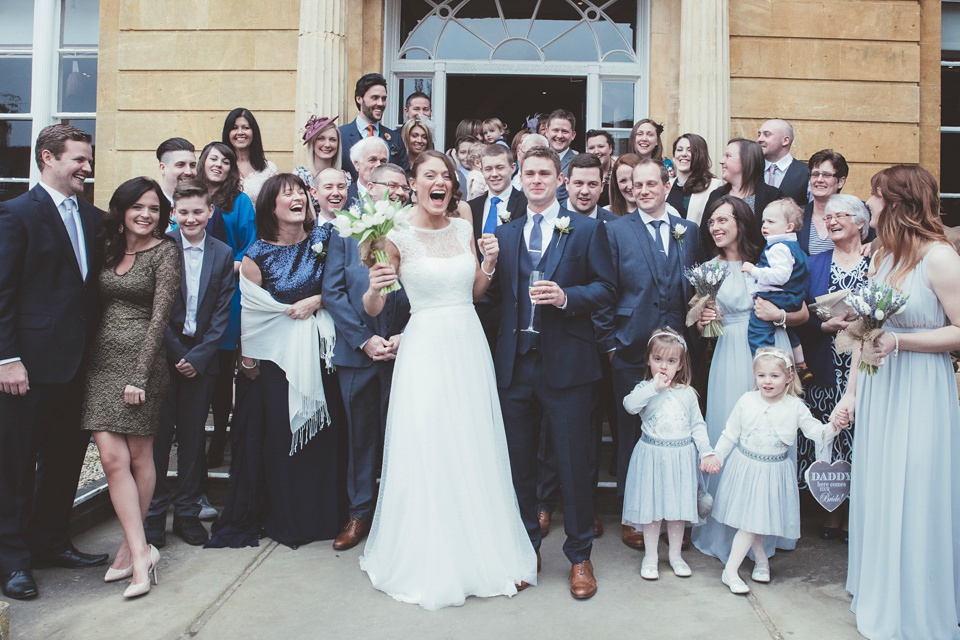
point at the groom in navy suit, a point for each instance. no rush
(551, 375)
(649, 252)
(370, 96)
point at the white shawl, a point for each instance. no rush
(267, 333)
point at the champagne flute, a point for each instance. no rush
(535, 276)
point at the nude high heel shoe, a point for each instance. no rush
(114, 575)
(143, 588)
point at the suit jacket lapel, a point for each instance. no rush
(51, 216)
(558, 242)
(206, 268)
(513, 240)
(639, 228)
(513, 204)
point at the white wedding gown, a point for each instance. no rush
(447, 525)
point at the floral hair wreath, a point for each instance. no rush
(775, 353)
(667, 334)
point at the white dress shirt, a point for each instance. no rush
(780, 264)
(664, 229)
(546, 225)
(501, 206)
(192, 265)
(782, 165)
(58, 200)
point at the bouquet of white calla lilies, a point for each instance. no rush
(369, 222)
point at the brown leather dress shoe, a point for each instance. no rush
(582, 583)
(544, 518)
(597, 525)
(631, 537)
(523, 583)
(351, 535)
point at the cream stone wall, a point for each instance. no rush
(171, 68)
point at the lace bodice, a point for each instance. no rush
(770, 429)
(671, 414)
(437, 267)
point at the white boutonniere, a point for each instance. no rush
(504, 216)
(562, 225)
(319, 249)
(678, 233)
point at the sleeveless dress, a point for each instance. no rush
(293, 499)
(447, 524)
(129, 346)
(904, 557)
(731, 376)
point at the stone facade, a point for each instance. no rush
(861, 76)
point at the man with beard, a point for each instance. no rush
(370, 96)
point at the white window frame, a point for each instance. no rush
(45, 80)
(396, 68)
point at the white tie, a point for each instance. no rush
(70, 222)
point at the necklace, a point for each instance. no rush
(130, 253)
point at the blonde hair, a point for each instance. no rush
(790, 211)
(475, 153)
(782, 358)
(671, 342)
(498, 123)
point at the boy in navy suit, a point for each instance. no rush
(199, 318)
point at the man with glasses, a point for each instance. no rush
(389, 181)
(781, 169)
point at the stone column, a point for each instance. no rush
(705, 73)
(321, 65)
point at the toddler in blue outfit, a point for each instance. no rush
(780, 276)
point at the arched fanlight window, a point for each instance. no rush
(519, 30)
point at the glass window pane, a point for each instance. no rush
(10, 190)
(622, 13)
(576, 45)
(950, 210)
(81, 23)
(617, 105)
(482, 17)
(15, 139)
(517, 50)
(620, 140)
(950, 162)
(16, 27)
(456, 43)
(411, 13)
(78, 82)
(15, 83)
(950, 95)
(408, 86)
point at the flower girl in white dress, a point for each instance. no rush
(758, 493)
(663, 474)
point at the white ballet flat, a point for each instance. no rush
(760, 574)
(737, 586)
(648, 569)
(680, 569)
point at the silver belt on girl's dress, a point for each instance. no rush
(764, 457)
(657, 442)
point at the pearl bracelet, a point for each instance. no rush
(896, 349)
(782, 323)
(489, 275)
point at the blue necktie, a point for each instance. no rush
(491, 223)
(535, 248)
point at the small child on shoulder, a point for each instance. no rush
(780, 277)
(662, 478)
(758, 493)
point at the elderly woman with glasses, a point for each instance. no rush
(847, 223)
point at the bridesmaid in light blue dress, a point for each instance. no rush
(735, 238)
(904, 557)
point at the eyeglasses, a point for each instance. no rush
(822, 174)
(395, 185)
(839, 217)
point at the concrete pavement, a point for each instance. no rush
(316, 592)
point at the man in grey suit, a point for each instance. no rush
(364, 353)
(649, 253)
(199, 317)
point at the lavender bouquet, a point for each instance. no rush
(873, 303)
(706, 279)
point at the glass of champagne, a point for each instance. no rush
(535, 276)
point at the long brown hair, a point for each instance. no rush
(226, 194)
(657, 150)
(618, 204)
(113, 239)
(910, 219)
(672, 342)
(700, 174)
(451, 169)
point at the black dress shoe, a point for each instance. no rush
(190, 529)
(155, 529)
(70, 558)
(19, 585)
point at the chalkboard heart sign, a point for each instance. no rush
(829, 483)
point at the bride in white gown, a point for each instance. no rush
(447, 525)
